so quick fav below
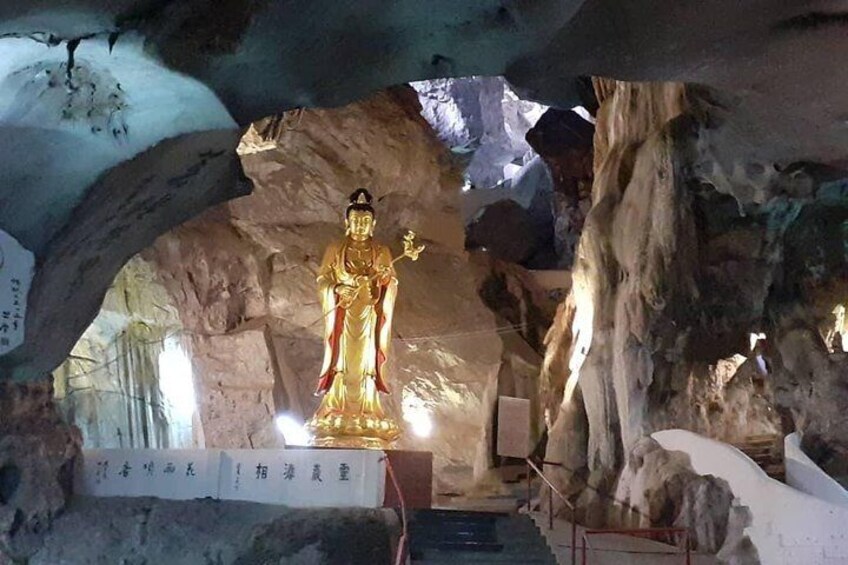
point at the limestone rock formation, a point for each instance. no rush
(186, 70)
(808, 352)
(660, 487)
(209, 531)
(812, 386)
(563, 140)
(718, 208)
(122, 385)
(38, 451)
(243, 278)
(684, 257)
(482, 119)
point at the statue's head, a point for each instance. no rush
(359, 218)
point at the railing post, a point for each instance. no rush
(686, 541)
(550, 508)
(583, 548)
(529, 477)
(402, 549)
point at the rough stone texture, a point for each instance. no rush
(505, 229)
(812, 385)
(660, 487)
(539, 46)
(665, 298)
(807, 350)
(125, 211)
(140, 530)
(681, 259)
(483, 120)
(111, 386)
(243, 279)
(37, 454)
(518, 223)
(563, 139)
(526, 300)
(236, 396)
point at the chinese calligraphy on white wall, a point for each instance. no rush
(16, 268)
(294, 477)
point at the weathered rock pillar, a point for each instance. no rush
(37, 454)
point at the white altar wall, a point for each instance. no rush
(304, 477)
(178, 474)
(292, 477)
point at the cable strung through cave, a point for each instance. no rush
(497, 330)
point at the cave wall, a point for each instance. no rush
(682, 257)
(135, 77)
(242, 277)
(127, 382)
(38, 450)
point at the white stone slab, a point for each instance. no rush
(304, 477)
(293, 477)
(178, 474)
(16, 270)
(513, 427)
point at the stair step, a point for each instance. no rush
(451, 558)
(430, 539)
(465, 557)
(452, 524)
(460, 513)
(470, 546)
(449, 536)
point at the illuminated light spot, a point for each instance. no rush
(754, 338)
(417, 415)
(176, 382)
(293, 431)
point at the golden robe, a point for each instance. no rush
(356, 342)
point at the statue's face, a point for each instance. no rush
(360, 224)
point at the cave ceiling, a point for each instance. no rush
(120, 118)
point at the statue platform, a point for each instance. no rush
(414, 473)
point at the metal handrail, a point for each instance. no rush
(621, 503)
(639, 532)
(551, 490)
(401, 550)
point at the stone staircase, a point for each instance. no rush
(767, 452)
(451, 536)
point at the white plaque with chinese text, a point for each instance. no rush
(304, 477)
(16, 269)
(294, 477)
(177, 474)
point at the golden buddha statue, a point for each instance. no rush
(357, 286)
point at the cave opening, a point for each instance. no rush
(630, 312)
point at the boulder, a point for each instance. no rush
(38, 451)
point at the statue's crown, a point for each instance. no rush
(360, 200)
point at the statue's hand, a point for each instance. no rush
(346, 294)
(384, 275)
